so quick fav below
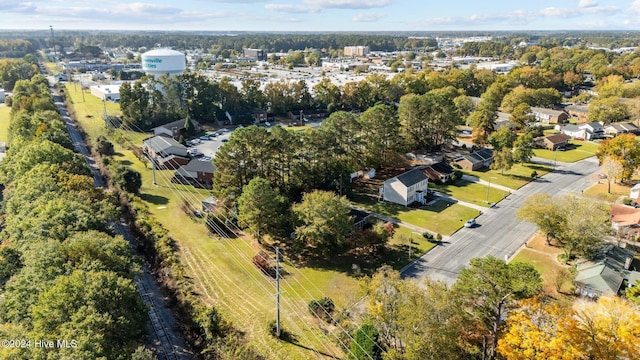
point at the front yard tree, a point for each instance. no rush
(523, 148)
(323, 223)
(489, 289)
(624, 149)
(260, 208)
(502, 138)
(502, 160)
(612, 169)
(542, 210)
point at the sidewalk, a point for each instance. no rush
(450, 199)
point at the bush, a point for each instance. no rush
(322, 308)
(428, 236)
(104, 146)
(627, 201)
(263, 262)
(534, 174)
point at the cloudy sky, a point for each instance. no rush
(321, 15)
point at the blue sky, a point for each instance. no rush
(321, 15)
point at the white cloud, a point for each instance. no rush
(635, 7)
(288, 8)
(347, 4)
(587, 3)
(367, 17)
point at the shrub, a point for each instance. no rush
(427, 235)
(534, 174)
(263, 262)
(104, 146)
(322, 308)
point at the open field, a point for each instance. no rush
(89, 110)
(581, 150)
(5, 112)
(599, 191)
(517, 177)
(223, 275)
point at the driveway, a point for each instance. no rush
(498, 232)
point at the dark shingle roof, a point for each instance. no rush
(199, 166)
(162, 143)
(411, 177)
(557, 138)
(442, 168)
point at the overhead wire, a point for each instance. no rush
(191, 198)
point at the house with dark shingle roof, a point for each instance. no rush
(165, 152)
(197, 172)
(439, 172)
(547, 116)
(476, 160)
(606, 274)
(406, 188)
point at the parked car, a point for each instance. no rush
(204, 137)
(470, 223)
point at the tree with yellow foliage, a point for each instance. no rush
(608, 329)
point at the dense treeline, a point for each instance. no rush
(66, 278)
(12, 71)
(16, 48)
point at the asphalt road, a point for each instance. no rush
(498, 232)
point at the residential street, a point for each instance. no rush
(498, 233)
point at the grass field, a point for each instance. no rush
(581, 150)
(4, 122)
(518, 176)
(89, 110)
(599, 191)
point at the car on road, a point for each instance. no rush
(470, 223)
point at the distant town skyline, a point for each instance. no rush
(321, 15)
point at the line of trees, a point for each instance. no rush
(65, 276)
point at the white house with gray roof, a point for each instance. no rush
(406, 188)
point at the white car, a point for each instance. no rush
(470, 223)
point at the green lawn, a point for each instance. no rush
(471, 192)
(442, 217)
(5, 112)
(546, 266)
(581, 150)
(517, 177)
(400, 246)
(89, 110)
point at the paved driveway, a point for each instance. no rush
(499, 233)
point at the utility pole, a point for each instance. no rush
(278, 292)
(153, 169)
(53, 42)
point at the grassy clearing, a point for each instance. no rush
(543, 258)
(89, 110)
(599, 191)
(517, 177)
(5, 113)
(581, 150)
(400, 245)
(471, 192)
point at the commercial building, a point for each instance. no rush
(256, 54)
(106, 92)
(356, 51)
